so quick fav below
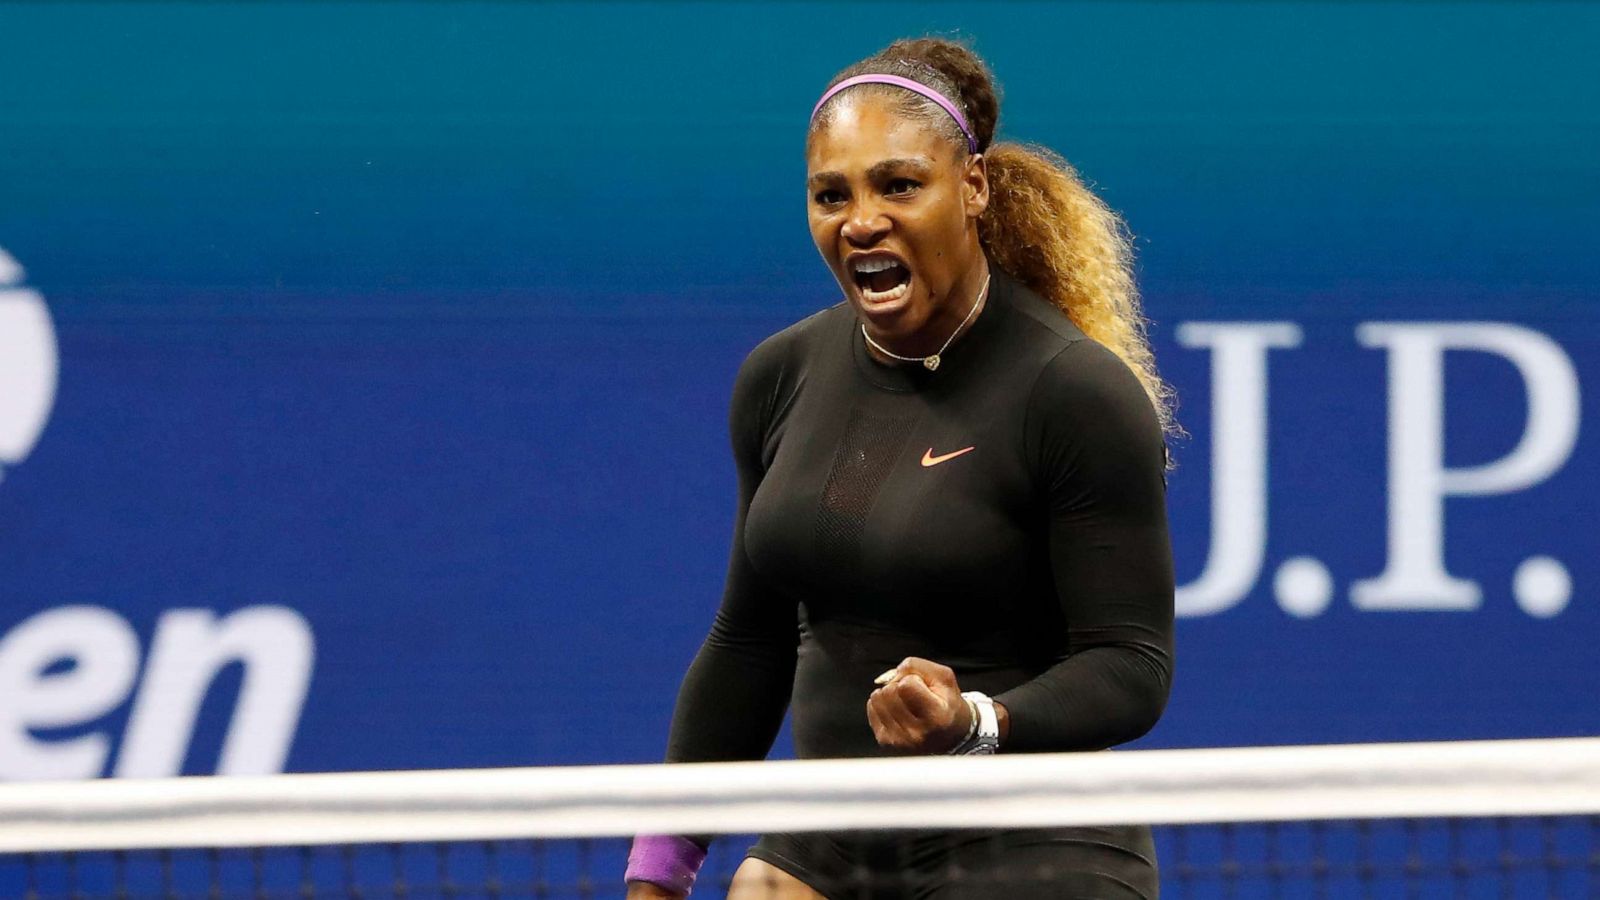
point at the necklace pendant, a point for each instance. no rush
(931, 362)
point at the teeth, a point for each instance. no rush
(889, 296)
(876, 264)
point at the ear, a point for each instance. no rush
(975, 185)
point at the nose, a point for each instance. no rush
(866, 225)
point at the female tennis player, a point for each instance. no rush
(951, 534)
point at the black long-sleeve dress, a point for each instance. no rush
(1003, 515)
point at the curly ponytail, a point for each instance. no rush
(1054, 235)
(1043, 225)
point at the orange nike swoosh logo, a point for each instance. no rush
(928, 459)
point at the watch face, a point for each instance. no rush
(980, 746)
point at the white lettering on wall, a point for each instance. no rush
(102, 656)
(1238, 458)
(191, 646)
(1419, 481)
(68, 667)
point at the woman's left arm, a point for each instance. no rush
(1099, 454)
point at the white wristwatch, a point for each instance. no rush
(983, 738)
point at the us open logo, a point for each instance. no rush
(189, 647)
(29, 365)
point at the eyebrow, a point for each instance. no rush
(918, 164)
(879, 170)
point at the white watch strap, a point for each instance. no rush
(986, 736)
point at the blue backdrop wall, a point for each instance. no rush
(364, 366)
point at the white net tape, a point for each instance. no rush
(1368, 781)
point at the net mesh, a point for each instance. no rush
(1543, 857)
(1491, 820)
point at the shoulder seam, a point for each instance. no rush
(1073, 334)
(1033, 390)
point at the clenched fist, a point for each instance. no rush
(918, 708)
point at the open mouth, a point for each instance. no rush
(881, 279)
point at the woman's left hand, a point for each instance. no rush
(918, 708)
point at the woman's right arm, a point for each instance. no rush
(733, 698)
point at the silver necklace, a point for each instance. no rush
(931, 363)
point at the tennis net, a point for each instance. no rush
(1469, 819)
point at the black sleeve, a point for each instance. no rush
(1098, 453)
(733, 698)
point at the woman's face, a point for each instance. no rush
(893, 207)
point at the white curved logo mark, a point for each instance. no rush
(28, 365)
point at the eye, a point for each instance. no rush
(901, 186)
(828, 197)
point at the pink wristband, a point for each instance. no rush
(665, 860)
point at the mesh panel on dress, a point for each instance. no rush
(866, 453)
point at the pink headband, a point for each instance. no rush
(908, 84)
